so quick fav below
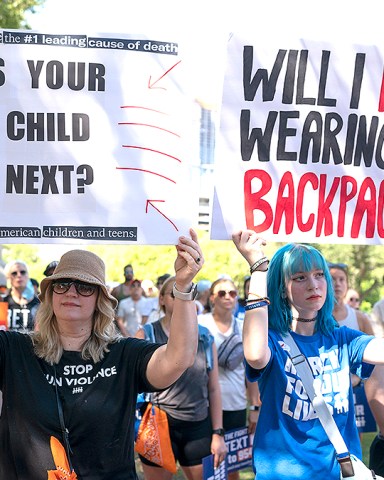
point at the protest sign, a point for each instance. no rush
(300, 155)
(365, 421)
(239, 456)
(95, 139)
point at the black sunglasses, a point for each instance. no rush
(22, 272)
(83, 289)
(231, 293)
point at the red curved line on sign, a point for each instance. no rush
(144, 108)
(146, 125)
(152, 150)
(146, 171)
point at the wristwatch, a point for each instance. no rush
(219, 431)
(191, 295)
(254, 408)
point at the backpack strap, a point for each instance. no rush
(207, 338)
(149, 332)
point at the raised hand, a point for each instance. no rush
(249, 244)
(189, 260)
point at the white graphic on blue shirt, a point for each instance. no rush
(330, 379)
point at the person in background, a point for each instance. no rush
(78, 368)
(133, 311)
(236, 391)
(50, 268)
(22, 300)
(347, 315)
(377, 316)
(155, 312)
(352, 298)
(375, 388)
(192, 404)
(202, 298)
(240, 309)
(3, 284)
(36, 286)
(122, 290)
(294, 293)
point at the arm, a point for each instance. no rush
(169, 361)
(120, 324)
(254, 400)
(218, 447)
(364, 322)
(374, 351)
(255, 330)
(140, 333)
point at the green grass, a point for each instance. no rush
(247, 474)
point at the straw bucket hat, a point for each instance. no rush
(79, 265)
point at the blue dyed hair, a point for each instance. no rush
(287, 261)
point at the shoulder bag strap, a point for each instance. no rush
(320, 406)
(64, 429)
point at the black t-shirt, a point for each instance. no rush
(21, 317)
(98, 400)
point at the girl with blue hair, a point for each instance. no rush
(294, 293)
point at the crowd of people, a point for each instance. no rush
(72, 362)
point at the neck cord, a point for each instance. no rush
(305, 320)
(64, 430)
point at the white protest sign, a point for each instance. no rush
(300, 154)
(95, 139)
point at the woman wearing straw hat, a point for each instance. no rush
(70, 387)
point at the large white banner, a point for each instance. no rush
(98, 138)
(300, 155)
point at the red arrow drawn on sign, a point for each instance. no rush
(149, 202)
(151, 85)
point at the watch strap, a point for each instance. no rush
(219, 431)
(191, 295)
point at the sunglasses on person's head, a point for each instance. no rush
(22, 272)
(342, 266)
(222, 293)
(83, 289)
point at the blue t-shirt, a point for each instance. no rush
(290, 442)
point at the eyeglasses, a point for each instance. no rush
(353, 299)
(22, 272)
(231, 293)
(83, 289)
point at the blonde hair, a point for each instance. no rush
(162, 290)
(46, 338)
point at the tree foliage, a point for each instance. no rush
(365, 263)
(12, 12)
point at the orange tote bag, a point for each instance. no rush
(153, 441)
